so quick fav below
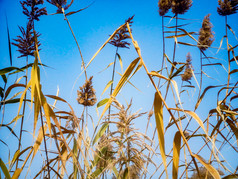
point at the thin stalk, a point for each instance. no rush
(23, 113)
(113, 74)
(76, 43)
(228, 54)
(176, 28)
(46, 152)
(163, 49)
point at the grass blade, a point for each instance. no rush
(176, 153)
(209, 167)
(158, 111)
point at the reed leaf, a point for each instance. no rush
(158, 112)
(4, 169)
(120, 84)
(208, 166)
(176, 153)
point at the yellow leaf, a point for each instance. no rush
(158, 110)
(38, 141)
(209, 167)
(17, 173)
(107, 86)
(195, 116)
(122, 81)
(176, 153)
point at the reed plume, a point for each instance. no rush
(227, 7)
(188, 73)
(181, 6)
(86, 94)
(164, 6)
(206, 36)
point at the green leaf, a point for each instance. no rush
(100, 132)
(4, 169)
(8, 69)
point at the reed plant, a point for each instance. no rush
(113, 144)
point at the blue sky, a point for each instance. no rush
(92, 27)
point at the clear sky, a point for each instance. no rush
(92, 27)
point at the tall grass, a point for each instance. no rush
(111, 145)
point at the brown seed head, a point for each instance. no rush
(227, 7)
(26, 42)
(122, 35)
(34, 11)
(86, 94)
(188, 73)
(60, 4)
(206, 36)
(164, 6)
(181, 6)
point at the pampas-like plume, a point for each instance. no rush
(122, 35)
(181, 6)
(227, 7)
(188, 73)
(60, 4)
(164, 6)
(26, 42)
(86, 94)
(206, 36)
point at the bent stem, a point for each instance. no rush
(83, 64)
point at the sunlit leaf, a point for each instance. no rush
(176, 153)
(208, 166)
(100, 132)
(122, 81)
(158, 112)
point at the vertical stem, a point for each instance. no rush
(228, 54)
(176, 28)
(23, 113)
(163, 49)
(46, 152)
(76, 43)
(113, 74)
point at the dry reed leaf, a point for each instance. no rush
(39, 139)
(122, 81)
(158, 111)
(209, 167)
(153, 73)
(107, 86)
(64, 155)
(194, 115)
(17, 173)
(120, 61)
(176, 153)
(233, 128)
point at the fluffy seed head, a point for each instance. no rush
(86, 94)
(164, 6)
(227, 7)
(206, 36)
(188, 73)
(181, 6)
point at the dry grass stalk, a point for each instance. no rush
(206, 36)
